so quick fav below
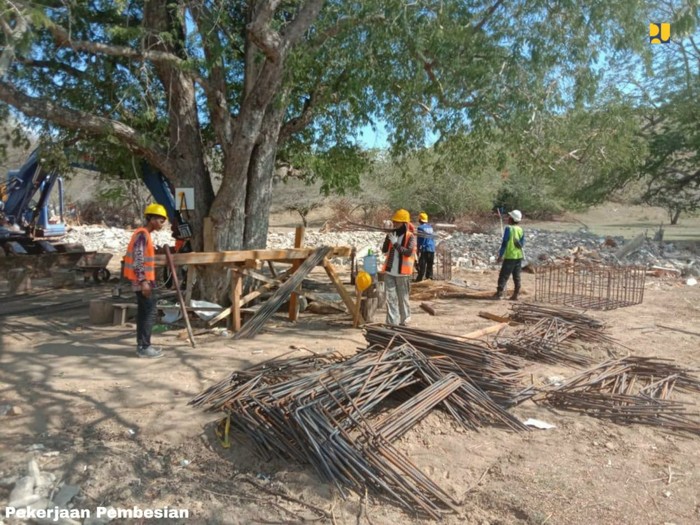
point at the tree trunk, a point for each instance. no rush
(674, 215)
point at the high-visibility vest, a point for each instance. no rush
(516, 232)
(149, 257)
(406, 264)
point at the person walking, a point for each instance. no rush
(140, 269)
(426, 248)
(511, 254)
(400, 249)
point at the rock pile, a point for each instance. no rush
(478, 250)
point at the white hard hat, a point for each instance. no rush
(516, 215)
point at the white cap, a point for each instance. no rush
(516, 215)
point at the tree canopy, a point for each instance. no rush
(204, 86)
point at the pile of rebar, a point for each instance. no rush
(532, 313)
(342, 417)
(549, 333)
(630, 390)
(496, 373)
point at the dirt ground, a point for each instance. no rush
(123, 431)
(122, 426)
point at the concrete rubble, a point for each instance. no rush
(474, 251)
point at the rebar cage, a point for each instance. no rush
(590, 285)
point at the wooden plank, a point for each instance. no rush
(208, 232)
(236, 290)
(344, 294)
(294, 299)
(191, 278)
(428, 308)
(494, 317)
(356, 316)
(286, 255)
(273, 270)
(486, 331)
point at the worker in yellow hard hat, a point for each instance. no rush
(140, 269)
(400, 249)
(426, 248)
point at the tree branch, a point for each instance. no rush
(82, 121)
(299, 122)
(301, 23)
(488, 15)
(268, 40)
(63, 39)
(50, 64)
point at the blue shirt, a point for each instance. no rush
(426, 244)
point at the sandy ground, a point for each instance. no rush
(122, 426)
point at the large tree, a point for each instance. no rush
(195, 87)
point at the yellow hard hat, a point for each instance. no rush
(423, 216)
(156, 209)
(401, 216)
(363, 281)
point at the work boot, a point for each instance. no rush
(149, 352)
(513, 297)
(498, 296)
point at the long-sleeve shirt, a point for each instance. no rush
(506, 238)
(139, 261)
(393, 263)
(427, 243)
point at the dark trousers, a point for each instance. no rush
(425, 265)
(510, 266)
(145, 318)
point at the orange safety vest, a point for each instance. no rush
(406, 266)
(149, 258)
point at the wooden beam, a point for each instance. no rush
(287, 255)
(208, 231)
(485, 331)
(191, 278)
(294, 299)
(181, 300)
(236, 289)
(344, 294)
(494, 317)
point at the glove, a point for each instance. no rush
(393, 238)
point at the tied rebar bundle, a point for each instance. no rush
(630, 390)
(342, 417)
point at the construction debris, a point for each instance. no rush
(335, 415)
(630, 390)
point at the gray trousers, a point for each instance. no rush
(398, 309)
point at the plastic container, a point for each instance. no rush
(369, 264)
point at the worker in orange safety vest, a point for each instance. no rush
(140, 269)
(400, 249)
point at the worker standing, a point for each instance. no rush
(426, 248)
(140, 269)
(511, 253)
(400, 249)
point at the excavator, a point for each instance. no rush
(30, 235)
